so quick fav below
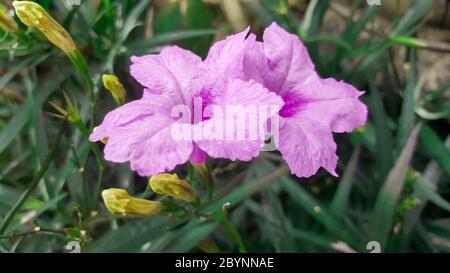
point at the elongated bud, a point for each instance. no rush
(119, 201)
(171, 185)
(112, 84)
(7, 23)
(33, 15)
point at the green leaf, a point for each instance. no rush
(407, 117)
(134, 235)
(143, 46)
(8, 196)
(305, 26)
(16, 68)
(435, 147)
(198, 16)
(411, 17)
(310, 205)
(386, 203)
(133, 18)
(354, 29)
(341, 197)
(407, 41)
(383, 136)
(189, 237)
(425, 191)
(21, 117)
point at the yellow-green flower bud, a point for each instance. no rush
(112, 83)
(33, 15)
(171, 185)
(7, 23)
(119, 201)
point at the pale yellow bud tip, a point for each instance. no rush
(33, 15)
(173, 186)
(119, 201)
(112, 84)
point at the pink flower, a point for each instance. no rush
(141, 132)
(313, 107)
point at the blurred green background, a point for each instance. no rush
(394, 181)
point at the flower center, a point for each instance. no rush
(292, 104)
(199, 103)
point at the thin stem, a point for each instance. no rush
(206, 177)
(40, 230)
(34, 183)
(97, 189)
(80, 64)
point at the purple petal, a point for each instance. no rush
(170, 72)
(124, 114)
(306, 145)
(242, 95)
(160, 153)
(334, 103)
(125, 139)
(148, 145)
(224, 62)
(280, 62)
(139, 132)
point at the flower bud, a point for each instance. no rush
(33, 15)
(173, 186)
(119, 201)
(112, 84)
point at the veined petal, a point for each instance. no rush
(125, 139)
(160, 153)
(140, 132)
(122, 115)
(147, 143)
(280, 62)
(333, 102)
(306, 145)
(169, 72)
(225, 57)
(236, 123)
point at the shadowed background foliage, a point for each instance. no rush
(394, 181)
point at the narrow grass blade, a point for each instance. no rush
(386, 203)
(341, 197)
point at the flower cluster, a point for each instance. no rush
(304, 111)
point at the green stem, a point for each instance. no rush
(205, 176)
(34, 183)
(97, 189)
(100, 162)
(45, 231)
(80, 64)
